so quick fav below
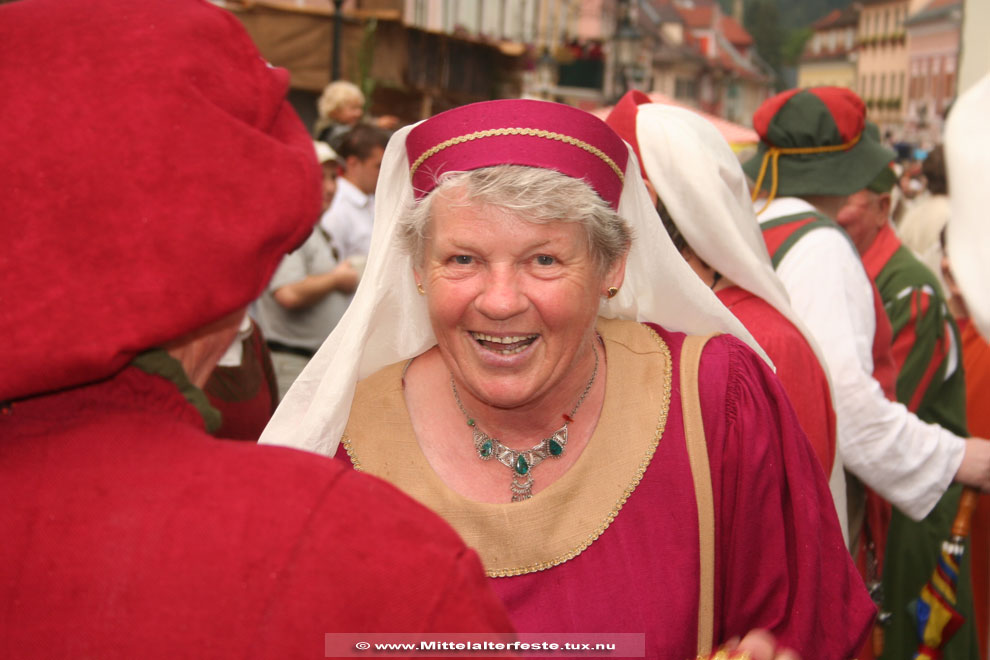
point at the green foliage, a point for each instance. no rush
(762, 20)
(794, 14)
(364, 60)
(802, 13)
(780, 28)
(794, 45)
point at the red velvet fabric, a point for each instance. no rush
(798, 369)
(130, 533)
(153, 177)
(976, 361)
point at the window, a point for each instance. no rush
(686, 88)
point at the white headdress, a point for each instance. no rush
(387, 321)
(967, 160)
(702, 184)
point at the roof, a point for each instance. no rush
(666, 11)
(934, 10)
(734, 32)
(735, 134)
(733, 61)
(696, 17)
(837, 18)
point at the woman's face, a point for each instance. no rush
(349, 112)
(512, 303)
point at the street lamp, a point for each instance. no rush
(335, 57)
(546, 67)
(627, 44)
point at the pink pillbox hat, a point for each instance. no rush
(518, 132)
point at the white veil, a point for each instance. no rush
(967, 156)
(387, 321)
(702, 184)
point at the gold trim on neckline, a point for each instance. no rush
(531, 132)
(640, 472)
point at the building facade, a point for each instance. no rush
(881, 76)
(830, 54)
(415, 58)
(707, 60)
(933, 51)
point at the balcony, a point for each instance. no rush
(584, 73)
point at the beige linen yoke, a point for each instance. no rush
(562, 520)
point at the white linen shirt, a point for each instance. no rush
(906, 461)
(349, 220)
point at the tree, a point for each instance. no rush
(762, 20)
(794, 45)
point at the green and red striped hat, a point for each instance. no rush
(813, 142)
(885, 180)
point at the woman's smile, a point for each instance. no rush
(512, 302)
(504, 345)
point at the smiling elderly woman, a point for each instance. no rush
(614, 476)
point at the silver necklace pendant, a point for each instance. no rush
(522, 488)
(522, 462)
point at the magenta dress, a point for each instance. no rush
(780, 562)
(798, 369)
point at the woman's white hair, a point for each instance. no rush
(529, 193)
(335, 95)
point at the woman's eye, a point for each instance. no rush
(462, 259)
(545, 260)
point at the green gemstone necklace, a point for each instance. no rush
(522, 462)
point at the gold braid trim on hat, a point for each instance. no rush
(773, 153)
(532, 132)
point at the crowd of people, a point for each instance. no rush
(548, 373)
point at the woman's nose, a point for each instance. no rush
(502, 296)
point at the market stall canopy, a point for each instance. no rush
(739, 137)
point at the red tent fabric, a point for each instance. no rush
(738, 137)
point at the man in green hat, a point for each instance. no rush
(813, 155)
(928, 356)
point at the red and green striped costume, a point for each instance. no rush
(780, 234)
(930, 382)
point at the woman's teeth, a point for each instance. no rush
(504, 345)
